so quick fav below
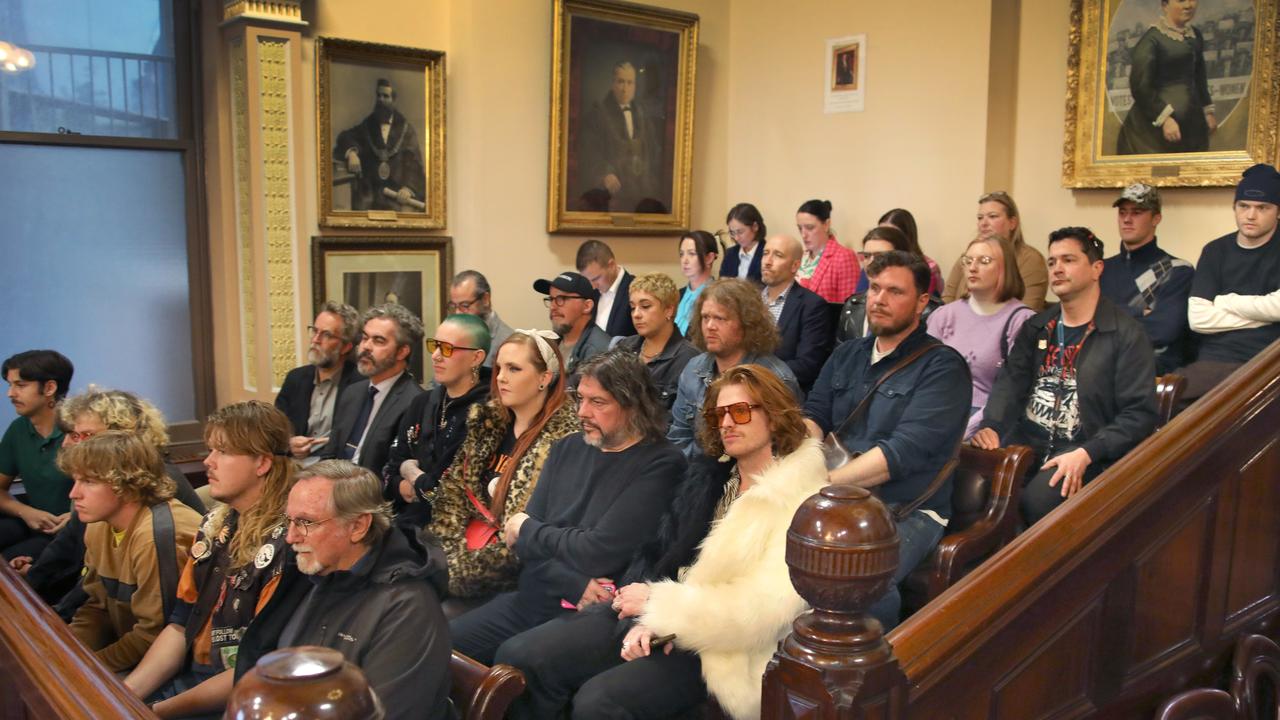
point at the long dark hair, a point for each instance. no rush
(906, 222)
(704, 243)
(748, 215)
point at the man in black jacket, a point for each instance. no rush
(355, 583)
(309, 393)
(804, 323)
(1078, 387)
(612, 281)
(369, 411)
(598, 499)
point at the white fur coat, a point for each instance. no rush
(736, 601)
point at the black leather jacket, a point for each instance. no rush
(854, 314)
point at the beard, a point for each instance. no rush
(602, 440)
(321, 359)
(382, 112)
(889, 327)
(561, 328)
(306, 563)
(370, 366)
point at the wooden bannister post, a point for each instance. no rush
(842, 549)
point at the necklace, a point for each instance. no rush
(649, 356)
(444, 410)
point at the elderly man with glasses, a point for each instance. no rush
(571, 302)
(310, 392)
(372, 592)
(469, 293)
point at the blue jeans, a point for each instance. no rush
(918, 535)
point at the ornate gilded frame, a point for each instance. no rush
(561, 218)
(1083, 163)
(430, 64)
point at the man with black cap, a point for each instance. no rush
(1147, 282)
(1234, 306)
(571, 301)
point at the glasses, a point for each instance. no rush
(462, 306)
(77, 437)
(446, 348)
(981, 260)
(739, 411)
(740, 232)
(560, 300)
(325, 335)
(304, 526)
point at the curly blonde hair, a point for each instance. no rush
(742, 299)
(125, 461)
(118, 410)
(778, 403)
(258, 429)
(660, 286)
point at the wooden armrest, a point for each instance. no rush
(481, 692)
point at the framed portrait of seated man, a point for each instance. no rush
(622, 101)
(380, 128)
(1170, 92)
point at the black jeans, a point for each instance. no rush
(577, 657)
(478, 633)
(18, 539)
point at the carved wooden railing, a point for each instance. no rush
(45, 672)
(1133, 590)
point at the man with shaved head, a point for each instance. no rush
(803, 319)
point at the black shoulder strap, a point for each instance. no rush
(1004, 334)
(162, 533)
(862, 406)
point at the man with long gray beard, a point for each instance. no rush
(309, 393)
(356, 583)
(369, 411)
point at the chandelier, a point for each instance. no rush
(14, 59)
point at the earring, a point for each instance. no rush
(475, 372)
(542, 386)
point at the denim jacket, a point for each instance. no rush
(916, 417)
(694, 381)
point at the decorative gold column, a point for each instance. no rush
(263, 45)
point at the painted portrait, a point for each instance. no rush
(622, 133)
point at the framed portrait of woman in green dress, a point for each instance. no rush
(1170, 92)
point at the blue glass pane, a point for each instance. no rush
(93, 263)
(99, 67)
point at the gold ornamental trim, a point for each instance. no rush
(273, 68)
(244, 219)
(277, 11)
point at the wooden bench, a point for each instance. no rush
(1169, 389)
(480, 692)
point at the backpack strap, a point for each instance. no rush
(162, 532)
(1004, 334)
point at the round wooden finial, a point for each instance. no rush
(842, 549)
(308, 681)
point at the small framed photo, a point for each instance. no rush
(846, 75)
(1170, 93)
(380, 124)
(367, 271)
(622, 92)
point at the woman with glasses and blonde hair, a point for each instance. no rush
(494, 472)
(703, 605)
(658, 341)
(435, 423)
(983, 325)
(998, 215)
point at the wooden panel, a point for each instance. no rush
(1257, 532)
(1171, 589)
(1053, 680)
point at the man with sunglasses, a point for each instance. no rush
(1078, 387)
(369, 411)
(309, 393)
(469, 293)
(898, 399)
(358, 584)
(571, 305)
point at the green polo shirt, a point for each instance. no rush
(26, 454)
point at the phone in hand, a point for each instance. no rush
(661, 640)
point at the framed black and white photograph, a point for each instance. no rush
(380, 120)
(622, 92)
(362, 272)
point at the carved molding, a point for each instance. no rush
(244, 219)
(277, 11)
(274, 99)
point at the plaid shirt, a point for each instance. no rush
(837, 274)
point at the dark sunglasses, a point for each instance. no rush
(446, 348)
(739, 411)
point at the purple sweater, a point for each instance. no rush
(976, 338)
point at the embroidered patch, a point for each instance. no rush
(265, 554)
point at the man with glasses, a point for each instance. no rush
(469, 293)
(571, 305)
(310, 392)
(898, 400)
(613, 310)
(362, 586)
(598, 499)
(369, 411)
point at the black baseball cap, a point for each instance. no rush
(569, 282)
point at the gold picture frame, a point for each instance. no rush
(620, 164)
(1113, 91)
(398, 179)
(366, 271)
